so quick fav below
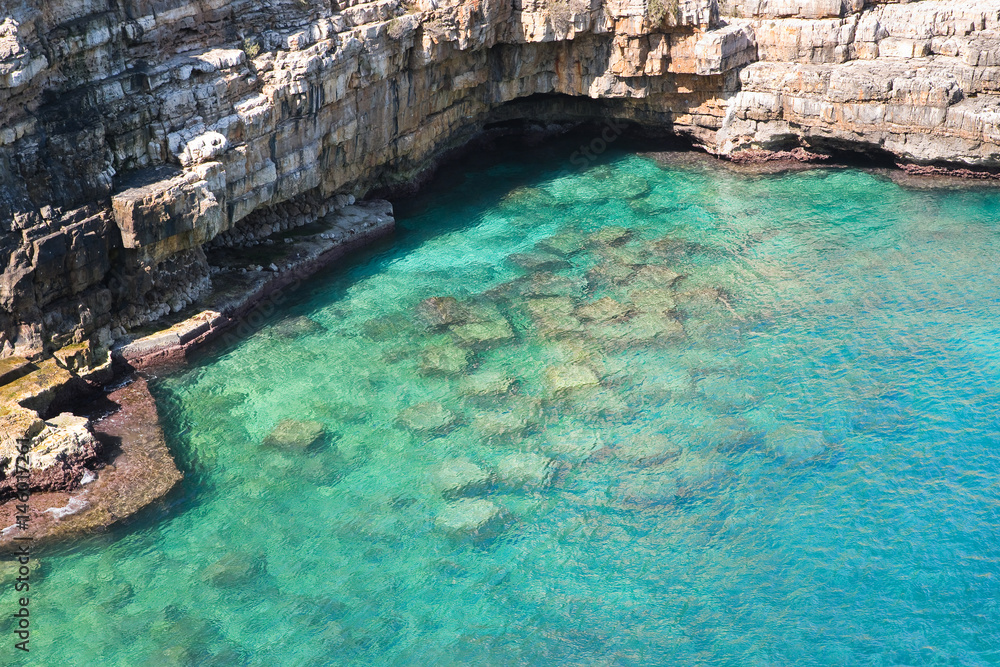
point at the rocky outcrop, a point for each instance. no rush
(134, 133)
(58, 455)
(135, 469)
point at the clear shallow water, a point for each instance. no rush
(789, 455)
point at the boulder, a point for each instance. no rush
(60, 450)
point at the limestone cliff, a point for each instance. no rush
(134, 132)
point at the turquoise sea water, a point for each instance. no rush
(674, 415)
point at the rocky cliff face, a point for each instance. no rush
(135, 132)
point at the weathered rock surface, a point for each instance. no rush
(134, 134)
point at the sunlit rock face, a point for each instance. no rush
(130, 137)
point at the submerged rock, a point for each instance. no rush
(697, 474)
(570, 376)
(235, 570)
(642, 329)
(484, 334)
(295, 434)
(524, 469)
(647, 449)
(611, 235)
(624, 255)
(726, 391)
(444, 360)
(599, 404)
(795, 444)
(653, 276)
(676, 480)
(509, 420)
(429, 416)
(574, 444)
(486, 383)
(547, 284)
(440, 311)
(607, 275)
(563, 244)
(387, 327)
(538, 261)
(651, 487)
(656, 300)
(701, 301)
(297, 326)
(553, 315)
(673, 249)
(629, 186)
(469, 515)
(605, 309)
(459, 476)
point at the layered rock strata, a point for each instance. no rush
(135, 133)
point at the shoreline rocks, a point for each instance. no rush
(138, 471)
